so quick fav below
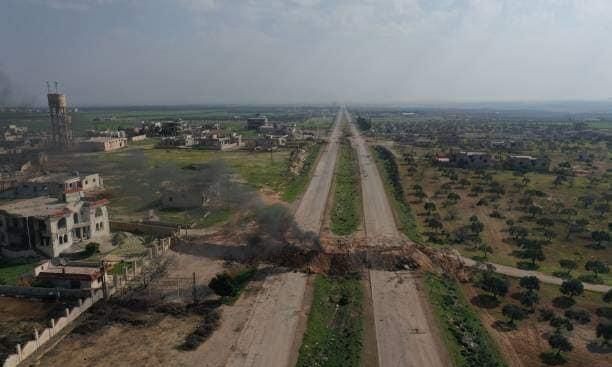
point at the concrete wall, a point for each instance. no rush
(42, 293)
(142, 228)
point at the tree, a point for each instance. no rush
(568, 265)
(453, 197)
(572, 288)
(560, 343)
(529, 298)
(545, 222)
(486, 249)
(530, 283)
(430, 207)
(224, 285)
(434, 224)
(599, 237)
(513, 313)
(560, 323)
(597, 267)
(607, 297)
(604, 331)
(577, 226)
(602, 209)
(534, 210)
(518, 232)
(493, 284)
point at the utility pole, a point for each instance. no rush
(193, 289)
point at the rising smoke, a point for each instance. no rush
(5, 89)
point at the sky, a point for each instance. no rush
(172, 52)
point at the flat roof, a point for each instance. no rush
(39, 207)
(70, 272)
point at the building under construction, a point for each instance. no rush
(61, 123)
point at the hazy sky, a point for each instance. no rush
(108, 52)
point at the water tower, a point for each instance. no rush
(61, 123)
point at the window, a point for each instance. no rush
(101, 225)
(99, 212)
(65, 238)
(75, 218)
(62, 223)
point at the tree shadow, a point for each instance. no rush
(485, 301)
(563, 302)
(503, 326)
(598, 348)
(552, 358)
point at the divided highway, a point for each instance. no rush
(404, 334)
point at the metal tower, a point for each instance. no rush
(61, 123)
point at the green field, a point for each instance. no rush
(296, 184)
(346, 209)
(333, 336)
(459, 323)
(10, 271)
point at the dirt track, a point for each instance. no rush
(405, 336)
(549, 279)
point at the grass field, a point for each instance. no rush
(295, 185)
(134, 178)
(333, 336)
(10, 271)
(459, 323)
(346, 207)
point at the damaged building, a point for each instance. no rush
(51, 224)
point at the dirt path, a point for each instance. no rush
(268, 336)
(310, 211)
(549, 279)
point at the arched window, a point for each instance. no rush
(60, 239)
(75, 218)
(98, 212)
(62, 223)
(65, 238)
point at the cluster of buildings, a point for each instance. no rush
(482, 160)
(180, 134)
(47, 215)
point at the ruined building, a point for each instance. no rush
(52, 224)
(61, 123)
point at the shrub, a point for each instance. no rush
(580, 316)
(92, 248)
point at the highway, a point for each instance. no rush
(404, 334)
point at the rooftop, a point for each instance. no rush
(39, 207)
(70, 272)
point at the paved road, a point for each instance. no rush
(404, 334)
(267, 339)
(380, 225)
(549, 279)
(270, 337)
(309, 214)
